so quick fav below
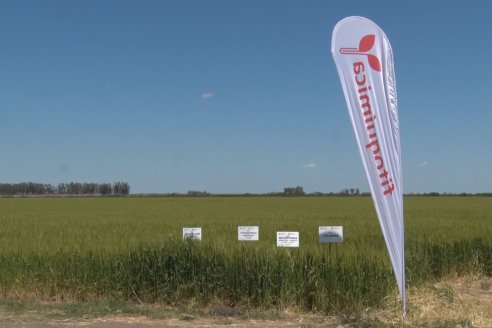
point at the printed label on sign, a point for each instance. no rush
(331, 234)
(193, 233)
(287, 238)
(248, 233)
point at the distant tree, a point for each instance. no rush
(125, 188)
(105, 189)
(86, 189)
(74, 188)
(7, 189)
(116, 188)
(121, 188)
(61, 189)
(294, 191)
(344, 192)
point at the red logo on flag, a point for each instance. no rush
(365, 44)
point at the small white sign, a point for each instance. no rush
(287, 238)
(193, 233)
(331, 234)
(248, 233)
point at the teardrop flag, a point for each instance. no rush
(364, 61)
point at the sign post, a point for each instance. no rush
(248, 233)
(192, 233)
(287, 238)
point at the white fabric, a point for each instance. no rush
(364, 61)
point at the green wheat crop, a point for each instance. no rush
(131, 248)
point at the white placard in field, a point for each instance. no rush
(193, 233)
(287, 238)
(331, 234)
(248, 233)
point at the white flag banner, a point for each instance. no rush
(364, 61)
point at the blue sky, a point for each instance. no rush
(235, 96)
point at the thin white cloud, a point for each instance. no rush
(207, 95)
(310, 166)
(423, 164)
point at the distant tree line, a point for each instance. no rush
(197, 193)
(342, 193)
(447, 194)
(294, 191)
(350, 192)
(71, 188)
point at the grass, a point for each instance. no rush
(469, 307)
(130, 249)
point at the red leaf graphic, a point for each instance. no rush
(374, 62)
(367, 42)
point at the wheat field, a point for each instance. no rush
(131, 248)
